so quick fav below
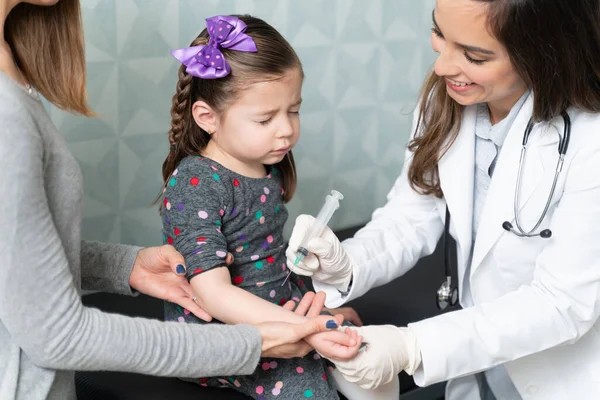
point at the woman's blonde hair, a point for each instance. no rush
(47, 43)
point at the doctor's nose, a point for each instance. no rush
(445, 65)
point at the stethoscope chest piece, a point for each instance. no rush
(447, 295)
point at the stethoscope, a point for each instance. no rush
(447, 294)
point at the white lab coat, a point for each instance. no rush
(537, 301)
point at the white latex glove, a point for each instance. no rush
(327, 262)
(389, 350)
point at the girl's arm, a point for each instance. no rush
(234, 305)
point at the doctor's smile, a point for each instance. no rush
(457, 86)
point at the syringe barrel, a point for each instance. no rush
(332, 203)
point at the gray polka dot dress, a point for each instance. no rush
(207, 211)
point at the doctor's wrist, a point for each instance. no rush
(345, 287)
(412, 350)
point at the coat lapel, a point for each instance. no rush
(456, 179)
(499, 206)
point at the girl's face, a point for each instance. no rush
(261, 126)
(475, 65)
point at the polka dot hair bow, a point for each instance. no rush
(207, 61)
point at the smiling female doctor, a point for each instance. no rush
(507, 70)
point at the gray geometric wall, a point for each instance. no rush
(364, 62)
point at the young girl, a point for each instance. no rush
(235, 119)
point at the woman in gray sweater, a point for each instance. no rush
(45, 331)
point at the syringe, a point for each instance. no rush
(332, 203)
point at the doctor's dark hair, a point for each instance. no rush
(272, 60)
(554, 45)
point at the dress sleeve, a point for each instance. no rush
(192, 212)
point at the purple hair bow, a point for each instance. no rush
(207, 61)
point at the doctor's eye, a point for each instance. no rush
(437, 32)
(473, 60)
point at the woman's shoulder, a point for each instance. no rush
(19, 128)
(15, 100)
(584, 118)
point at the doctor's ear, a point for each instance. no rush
(205, 116)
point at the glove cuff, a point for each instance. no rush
(413, 350)
(345, 285)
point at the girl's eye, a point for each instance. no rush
(265, 122)
(473, 60)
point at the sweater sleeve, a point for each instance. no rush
(41, 308)
(106, 267)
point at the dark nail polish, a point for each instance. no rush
(331, 324)
(180, 269)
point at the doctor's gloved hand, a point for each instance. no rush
(389, 350)
(327, 261)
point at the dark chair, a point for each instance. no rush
(404, 300)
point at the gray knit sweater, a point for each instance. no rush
(45, 331)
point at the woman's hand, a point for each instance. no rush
(348, 313)
(331, 344)
(160, 272)
(285, 340)
(327, 262)
(389, 350)
(336, 345)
